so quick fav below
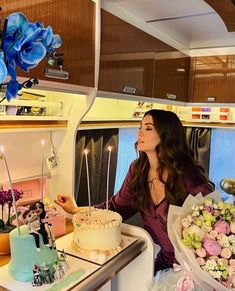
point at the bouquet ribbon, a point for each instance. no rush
(185, 283)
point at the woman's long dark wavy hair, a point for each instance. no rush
(175, 158)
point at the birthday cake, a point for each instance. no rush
(97, 230)
(25, 255)
(33, 251)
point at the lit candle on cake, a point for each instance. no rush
(41, 180)
(88, 182)
(3, 157)
(108, 168)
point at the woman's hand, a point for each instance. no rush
(66, 203)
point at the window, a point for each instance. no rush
(126, 154)
(222, 157)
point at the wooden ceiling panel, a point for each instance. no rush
(226, 10)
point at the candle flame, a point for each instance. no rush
(85, 151)
(2, 149)
(43, 142)
(110, 148)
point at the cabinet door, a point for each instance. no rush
(231, 97)
(171, 78)
(74, 21)
(211, 79)
(127, 57)
(127, 76)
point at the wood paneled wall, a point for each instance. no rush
(74, 21)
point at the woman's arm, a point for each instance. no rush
(121, 202)
(65, 201)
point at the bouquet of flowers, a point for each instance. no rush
(203, 234)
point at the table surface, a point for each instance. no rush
(103, 273)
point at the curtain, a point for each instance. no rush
(96, 142)
(199, 140)
(126, 154)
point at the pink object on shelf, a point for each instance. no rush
(31, 190)
(58, 224)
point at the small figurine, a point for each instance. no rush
(37, 281)
(45, 228)
(63, 263)
(47, 276)
(59, 272)
(33, 224)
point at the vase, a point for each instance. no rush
(4, 243)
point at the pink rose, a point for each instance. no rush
(207, 208)
(214, 233)
(223, 262)
(201, 261)
(209, 236)
(230, 270)
(212, 247)
(201, 252)
(226, 253)
(222, 226)
(232, 262)
(232, 227)
(214, 258)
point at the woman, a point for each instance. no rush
(165, 173)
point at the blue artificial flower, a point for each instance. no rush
(3, 68)
(25, 44)
(13, 87)
(57, 41)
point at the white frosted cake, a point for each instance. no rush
(98, 230)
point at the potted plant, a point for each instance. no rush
(6, 203)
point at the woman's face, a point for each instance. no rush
(38, 208)
(148, 137)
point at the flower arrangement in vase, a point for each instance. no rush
(6, 204)
(23, 45)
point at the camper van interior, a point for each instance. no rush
(72, 127)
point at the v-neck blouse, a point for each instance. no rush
(155, 217)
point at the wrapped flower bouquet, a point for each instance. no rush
(203, 234)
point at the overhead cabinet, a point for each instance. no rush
(171, 78)
(74, 21)
(127, 60)
(212, 79)
(134, 77)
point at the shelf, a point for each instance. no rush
(32, 103)
(29, 123)
(209, 123)
(31, 117)
(204, 113)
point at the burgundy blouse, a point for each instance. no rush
(155, 217)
